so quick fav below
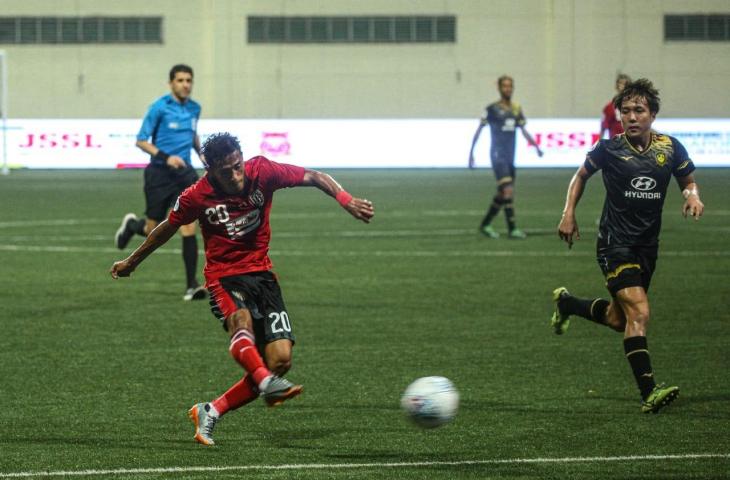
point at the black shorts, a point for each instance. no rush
(503, 166)
(260, 294)
(625, 267)
(162, 186)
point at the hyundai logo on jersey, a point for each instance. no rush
(643, 184)
(642, 189)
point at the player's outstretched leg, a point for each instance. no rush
(560, 320)
(660, 397)
(275, 390)
(566, 305)
(125, 231)
(204, 416)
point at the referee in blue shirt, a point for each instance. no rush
(168, 133)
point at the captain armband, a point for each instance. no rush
(690, 191)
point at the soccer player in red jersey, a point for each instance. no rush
(610, 117)
(232, 203)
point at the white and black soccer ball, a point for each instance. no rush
(430, 401)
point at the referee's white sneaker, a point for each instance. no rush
(195, 293)
(124, 232)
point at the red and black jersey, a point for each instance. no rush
(611, 120)
(236, 229)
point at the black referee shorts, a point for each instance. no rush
(162, 186)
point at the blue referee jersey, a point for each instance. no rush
(171, 126)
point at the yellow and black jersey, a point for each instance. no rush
(636, 186)
(503, 123)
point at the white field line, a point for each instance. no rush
(60, 222)
(562, 252)
(351, 466)
(365, 233)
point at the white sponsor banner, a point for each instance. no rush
(425, 143)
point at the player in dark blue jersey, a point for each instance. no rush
(168, 133)
(504, 118)
(637, 167)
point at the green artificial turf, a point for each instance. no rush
(98, 374)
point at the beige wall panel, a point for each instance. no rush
(563, 54)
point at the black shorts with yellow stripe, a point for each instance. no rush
(504, 172)
(625, 267)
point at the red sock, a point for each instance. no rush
(243, 349)
(241, 393)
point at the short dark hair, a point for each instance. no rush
(623, 76)
(180, 67)
(641, 88)
(503, 78)
(217, 147)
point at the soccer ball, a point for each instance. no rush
(430, 401)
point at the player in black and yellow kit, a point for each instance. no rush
(504, 118)
(637, 167)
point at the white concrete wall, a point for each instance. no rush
(563, 54)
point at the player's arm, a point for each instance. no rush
(359, 208)
(147, 147)
(196, 147)
(172, 161)
(691, 193)
(482, 122)
(604, 128)
(151, 120)
(568, 225)
(531, 141)
(158, 237)
(604, 123)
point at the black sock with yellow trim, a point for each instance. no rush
(509, 214)
(592, 309)
(493, 211)
(637, 353)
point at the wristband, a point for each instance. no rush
(687, 192)
(161, 156)
(343, 198)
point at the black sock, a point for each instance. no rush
(599, 307)
(138, 226)
(509, 214)
(637, 354)
(190, 257)
(493, 210)
(592, 309)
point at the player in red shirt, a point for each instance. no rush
(610, 117)
(232, 202)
